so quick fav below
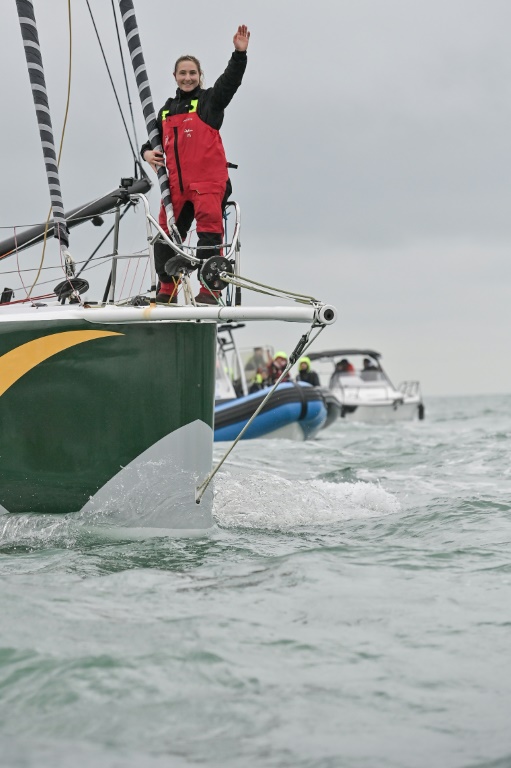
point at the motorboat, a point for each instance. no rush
(364, 390)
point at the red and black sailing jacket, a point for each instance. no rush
(189, 125)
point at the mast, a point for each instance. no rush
(144, 90)
(34, 60)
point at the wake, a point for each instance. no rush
(259, 500)
(263, 500)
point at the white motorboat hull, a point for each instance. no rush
(381, 412)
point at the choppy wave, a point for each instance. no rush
(353, 585)
(19, 532)
(263, 500)
(260, 500)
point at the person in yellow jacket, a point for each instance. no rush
(305, 373)
(258, 382)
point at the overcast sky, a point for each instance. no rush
(373, 139)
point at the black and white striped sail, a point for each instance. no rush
(36, 73)
(144, 90)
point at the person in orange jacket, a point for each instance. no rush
(276, 367)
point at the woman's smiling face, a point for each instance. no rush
(187, 75)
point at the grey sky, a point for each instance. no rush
(373, 143)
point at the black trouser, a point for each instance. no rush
(163, 252)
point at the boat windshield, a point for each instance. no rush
(256, 359)
(356, 371)
(224, 389)
(357, 378)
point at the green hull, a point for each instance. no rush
(80, 402)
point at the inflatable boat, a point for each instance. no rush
(295, 411)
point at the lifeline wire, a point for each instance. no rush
(302, 345)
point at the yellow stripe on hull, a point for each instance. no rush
(17, 362)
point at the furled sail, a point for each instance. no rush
(144, 90)
(37, 81)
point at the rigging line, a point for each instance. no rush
(73, 219)
(59, 267)
(27, 295)
(112, 83)
(274, 292)
(69, 71)
(27, 269)
(24, 301)
(19, 226)
(246, 282)
(128, 267)
(134, 278)
(128, 206)
(142, 279)
(125, 76)
(28, 243)
(304, 344)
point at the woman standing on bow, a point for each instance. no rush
(189, 125)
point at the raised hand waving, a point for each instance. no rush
(241, 38)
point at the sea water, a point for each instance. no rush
(351, 608)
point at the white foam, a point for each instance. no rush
(263, 500)
(33, 530)
(37, 531)
(257, 500)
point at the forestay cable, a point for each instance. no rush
(144, 91)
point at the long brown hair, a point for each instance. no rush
(197, 64)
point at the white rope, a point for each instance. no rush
(246, 282)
